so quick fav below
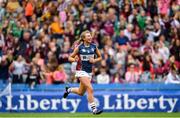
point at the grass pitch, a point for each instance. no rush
(89, 115)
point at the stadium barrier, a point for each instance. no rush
(130, 98)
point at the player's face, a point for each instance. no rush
(88, 38)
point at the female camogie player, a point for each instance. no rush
(84, 54)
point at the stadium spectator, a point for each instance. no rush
(147, 69)
(164, 51)
(17, 69)
(12, 6)
(117, 79)
(152, 33)
(160, 71)
(103, 77)
(24, 46)
(128, 31)
(131, 76)
(156, 55)
(163, 6)
(2, 43)
(172, 61)
(122, 39)
(135, 42)
(33, 76)
(173, 76)
(56, 28)
(59, 76)
(52, 63)
(175, 47)
(39, 61)
(120, 59)
(141, 19)
(5, 62)
(29, 9)
(2, 11)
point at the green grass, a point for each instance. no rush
(89, 115)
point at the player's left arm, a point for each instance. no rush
(99, 57)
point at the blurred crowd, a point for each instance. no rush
(139, 40)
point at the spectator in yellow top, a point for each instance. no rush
(12, 6)
(56, 28)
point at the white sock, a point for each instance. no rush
(69, 90)
(93, 106)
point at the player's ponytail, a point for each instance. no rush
(80, 40)
(76, 43)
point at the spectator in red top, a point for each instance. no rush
(135, 42)
(108, 28)
(160, 71)
(29, 9)
(94, 23)
(138, 33)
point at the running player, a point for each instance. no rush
(84, 54)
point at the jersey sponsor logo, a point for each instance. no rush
(92, 49)
(83, 50)
(86, 57)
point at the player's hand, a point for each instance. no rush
(76, 59)
(92, 60)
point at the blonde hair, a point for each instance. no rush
(82, 36)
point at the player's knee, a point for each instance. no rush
(81, 94)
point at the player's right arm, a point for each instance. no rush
(73, 57)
